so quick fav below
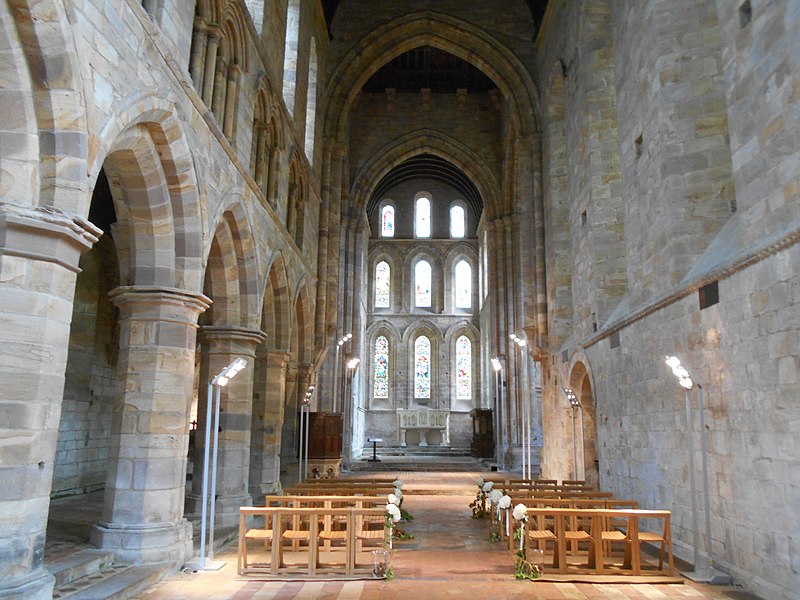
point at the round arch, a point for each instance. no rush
(424, 141)
(587, 467)
(446, 33)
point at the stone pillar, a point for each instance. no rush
(289, 428)
(209, 71)
(197, 59)
(39, 253)
(230, 101)
(142, 519)
(260, 158)
(269, 397)
(220, 92)
(220, 346)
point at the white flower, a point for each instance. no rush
(394, 512)
(398, 483)
(520, 512)
(487, 487)
(480, 482)
(393, 499)
(505, 502)
(399, 493)
(495, 495)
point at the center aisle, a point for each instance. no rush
(450, 557)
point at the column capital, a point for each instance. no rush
(45, 234)
(278, 359)
(232, 335)
(159, 303)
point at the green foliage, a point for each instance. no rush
(524, 569)
(478, 506)
(405, 515)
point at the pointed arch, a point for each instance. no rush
(302, 338)
(277, 305)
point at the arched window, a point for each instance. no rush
(422, 284)
(463, 284)
(463, 368)
(311, 101)
(290, 54)
(422, 218)
(387, 221)
(381, 375)
(422, 367)
(457, 221)
(382, 284)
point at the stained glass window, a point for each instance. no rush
(382, 284)
(422, 218)
(463, 368)
(422, 367)
(381, 383)
(457, 226)
(387, 221)
(422, 284)
(463, 277)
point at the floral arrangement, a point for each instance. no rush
(478, 505)
(494, 497)
(523, 568)
(395, 500)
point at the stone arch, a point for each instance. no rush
(424, 141)
(302, 339)
(453, 256)
(146, 151)
(296, 208)
(377, 254)
(586, 448)
(447, 33)
(453, 333)
(423, 251)
(19, 163)
(231, 279)
(277, 305)
(394, 337)
(53, 74)
(423, 327)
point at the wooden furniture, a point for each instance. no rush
(324, 435)
(308, 541)
(597, 528)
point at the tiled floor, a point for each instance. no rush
(450, 557)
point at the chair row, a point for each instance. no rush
(309, 541)
(583, 539)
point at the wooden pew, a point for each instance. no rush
(299, 540)
(557, 526)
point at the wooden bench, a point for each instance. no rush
(598, 529)
(309, 541)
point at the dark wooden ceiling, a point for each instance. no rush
(537, 8)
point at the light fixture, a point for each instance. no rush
(573, 399)
(353, 362)
(496, 364)
(206, 562)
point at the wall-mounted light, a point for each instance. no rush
(684, 378)
(571, 397)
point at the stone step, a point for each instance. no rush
(79, 564)
(116, 582)
(416, 451)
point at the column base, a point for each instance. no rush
(37, 585)
(226, 512)
(169, 543)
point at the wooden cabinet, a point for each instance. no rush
(324, 435)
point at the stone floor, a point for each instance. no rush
(450, 557)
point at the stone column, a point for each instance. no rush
(209, 71)
(220, 346)
(142, 519)
(220, 92)
(39, 253)
(230, 101)
(289, 428)
(269, 397)
(197, 59)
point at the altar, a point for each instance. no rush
(423, 421)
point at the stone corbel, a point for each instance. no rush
(46, 234)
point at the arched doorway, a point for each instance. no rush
(585, 426)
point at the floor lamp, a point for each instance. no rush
(205, 562)
(573, 404)
(527, 471)
(498, 387)
(704, 571)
